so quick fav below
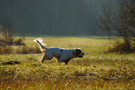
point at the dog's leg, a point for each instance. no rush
(43, 58)
(66, 61)
(60, 60)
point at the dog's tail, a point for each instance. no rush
(39, 41)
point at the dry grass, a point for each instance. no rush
(28, 50)
(122, 47)
(97, 70)
(12, 41)
(5, 49)
(17, 46)
(19, 50)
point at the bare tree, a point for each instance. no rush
(7, 33)
(120, 21)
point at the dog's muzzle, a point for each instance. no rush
(81, 55)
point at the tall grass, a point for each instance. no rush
(19, 50)
(28, 50)
(123, 47)
(6, 49)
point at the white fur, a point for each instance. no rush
(63, 55)
(40, 40)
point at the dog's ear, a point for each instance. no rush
(77, 52)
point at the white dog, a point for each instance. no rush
(63, 55)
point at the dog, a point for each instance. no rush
(62, 55)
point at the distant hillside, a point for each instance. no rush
(52, 17)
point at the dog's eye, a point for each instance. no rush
(78, 51)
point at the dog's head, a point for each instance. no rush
(79, 53)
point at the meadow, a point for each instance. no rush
(97, 70)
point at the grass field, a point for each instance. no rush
(97, 70)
